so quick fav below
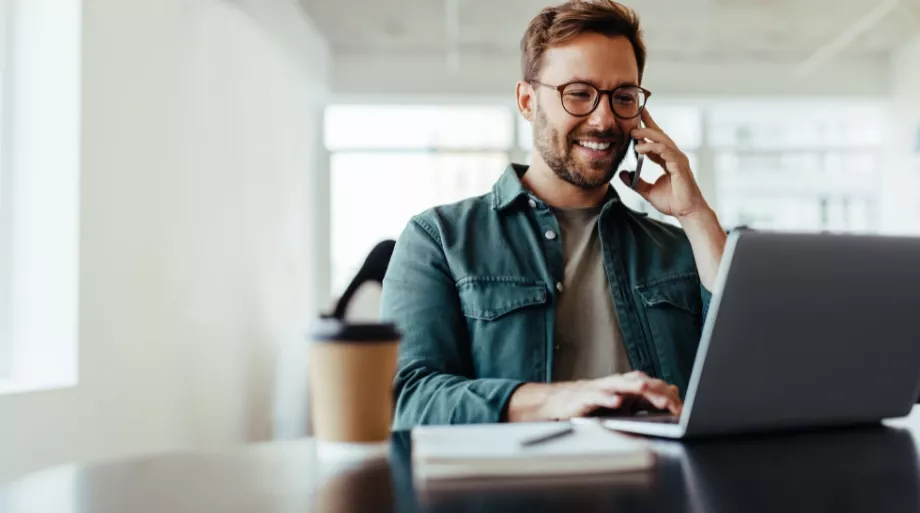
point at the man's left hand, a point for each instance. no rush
(674, 193)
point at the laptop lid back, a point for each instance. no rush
(808, 330)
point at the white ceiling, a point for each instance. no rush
(777, 31)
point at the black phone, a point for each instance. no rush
(640, 159)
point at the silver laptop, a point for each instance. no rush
(804, 331)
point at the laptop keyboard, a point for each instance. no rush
(642, 416)
(660, 419)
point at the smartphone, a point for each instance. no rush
(640, 159)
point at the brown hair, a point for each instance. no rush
(559, 24)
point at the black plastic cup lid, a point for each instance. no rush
(330, 329)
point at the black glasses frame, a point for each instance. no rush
(597, 99)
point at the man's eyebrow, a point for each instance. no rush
(586, 81)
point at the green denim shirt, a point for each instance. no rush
(472, 287)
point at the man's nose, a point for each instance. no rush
(603, 116)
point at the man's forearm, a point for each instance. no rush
(537, 402)
(424, 396)
(707, 238)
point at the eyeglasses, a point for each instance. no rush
(580, 99)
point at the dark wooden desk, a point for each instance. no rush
(872, 470)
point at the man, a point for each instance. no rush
(547, 298)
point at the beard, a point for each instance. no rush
(556, 151)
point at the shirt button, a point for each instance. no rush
(550, 235)
(559, 286)
(532, 203)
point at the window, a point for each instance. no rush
(39, 193)
(797, 167)
(771, 164)
(418, 127)
(375, 194)
(392, 162)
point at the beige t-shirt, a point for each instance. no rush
(588, 337)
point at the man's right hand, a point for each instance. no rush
(558, 401)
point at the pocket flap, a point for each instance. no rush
(488, 298)
(682, 291)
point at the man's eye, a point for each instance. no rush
(579, 95)
(625, 99)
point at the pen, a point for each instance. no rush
(547, 437)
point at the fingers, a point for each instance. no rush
(659, 153)
(672, 402)
(643, 188)
(653, 148)
(645, 404)
(664, 402)
(665, 155)
(668, 397)
(593, 399)
(674, 390)
(629, 384)
(652, 134)
(662, 150)
(657, 392)
(604, 399)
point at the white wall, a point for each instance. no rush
(200, 143)
(901, 204)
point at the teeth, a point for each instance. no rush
(595, 145)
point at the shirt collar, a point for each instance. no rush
(508, 189)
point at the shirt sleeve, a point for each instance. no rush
(434, 382)
(706, 296)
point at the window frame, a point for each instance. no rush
(6, 181)
(41, 355)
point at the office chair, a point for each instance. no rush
(365, 288)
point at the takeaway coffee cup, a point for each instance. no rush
(351, 372)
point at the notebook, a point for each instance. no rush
(495, 450)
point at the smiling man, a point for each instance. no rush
(548, 298)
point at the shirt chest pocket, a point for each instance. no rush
(673, 310)
(506, 318)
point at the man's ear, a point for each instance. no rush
(525, 99)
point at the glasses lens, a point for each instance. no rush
(578, 99)
(627, 101)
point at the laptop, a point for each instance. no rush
(803, 331)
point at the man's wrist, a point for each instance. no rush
(699, 220)
(526, 402)
(707, 238)
(702, 226)
(537, 402)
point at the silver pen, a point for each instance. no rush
(568, 430)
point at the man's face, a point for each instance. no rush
(562, 139)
